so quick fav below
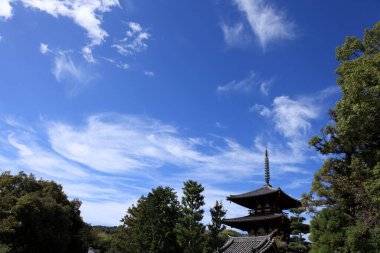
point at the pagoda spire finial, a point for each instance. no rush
(267, 174)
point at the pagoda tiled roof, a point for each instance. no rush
(249, 244)
(247, 199)
(265, 190)
(254, 218)
(247, 222)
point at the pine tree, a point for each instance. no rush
(348, 184)
(298, 230)
(190, 230)
(216, 227)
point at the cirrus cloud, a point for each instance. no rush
(266, 22)
(111, 159)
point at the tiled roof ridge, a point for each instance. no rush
(263, 191)
(264, 242)
(228, 244)
(267, 246)
(257, 192)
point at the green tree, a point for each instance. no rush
(4, 248)
(190, 230)
(99, 237)
(216, 227)
(329, 231)
(149, 226)
(298, 231)
(36, 216)
(120, 242)
(349, 181)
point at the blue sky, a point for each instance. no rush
(111, 98)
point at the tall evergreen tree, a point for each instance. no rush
(190, 230)
(328, 231)
(348, 183)
(298, 231)
(216, 227)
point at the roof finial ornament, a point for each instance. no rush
(267, 174)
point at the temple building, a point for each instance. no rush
(265, 219)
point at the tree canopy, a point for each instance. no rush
(216, 227)
(348, 183)
(36, 216)
(149, 226)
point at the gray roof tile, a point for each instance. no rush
(249, 244)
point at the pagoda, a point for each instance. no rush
(265, 219)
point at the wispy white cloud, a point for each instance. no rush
(6, 11)
(118, 64)
(28, 154)
(64, 66)
(87, 54)
(235, 35)
(264, 87)
(149, 73)
(89, 16)
(245, 85)
(122, 143)
(73, 75)
(44, 48)
(220, 125)
(266, 21)
(292, 117)
(123, 66)
(67, 71)
(111, 159)
(18, 124)
(261, 109)
(297, 183)
(134, 40)
(86, 14)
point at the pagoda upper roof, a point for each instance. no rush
(249, 244)
(266, 192)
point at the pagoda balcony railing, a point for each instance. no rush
(265, 212)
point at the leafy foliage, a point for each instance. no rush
(190, 230)
(328, 231)
(100, 237)
(149, 226)
(348, 183)
(4, 248)
(36, 216)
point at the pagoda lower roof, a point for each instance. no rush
(248, 199)
(256, 218)
(249, 244)
(246, 222)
